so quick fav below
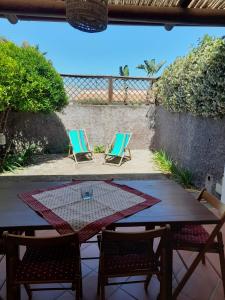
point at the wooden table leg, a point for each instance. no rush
(169, 272)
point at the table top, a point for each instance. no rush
(14, 213)
(177, 206)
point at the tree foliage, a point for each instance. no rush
(195, 83)
(151, 67)
(124, 71)
(28, 81)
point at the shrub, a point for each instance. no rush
(13, 161)
(195, 83)
(28, 81)
(99, 149)
(167, 165)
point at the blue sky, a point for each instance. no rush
(75, 52)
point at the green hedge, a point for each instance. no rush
(195, 83)
(28, 81)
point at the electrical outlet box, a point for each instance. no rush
(219, 188)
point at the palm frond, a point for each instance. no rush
(142, 67)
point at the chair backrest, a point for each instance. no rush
(13, 242)
(213, 201)
(130, 244)
(120, 143)
(78, 140)
(220, 208)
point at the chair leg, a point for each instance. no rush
(162, 294)
(75, 159)
(93, 155)
(102, 288)
(81, 288)
(203, 260)
(148, 279)
(13, 292)
(69, 151)
(222, 259)
(98, 287)
(129, 153)
(78, 289)
(222, 266)
(120, 161)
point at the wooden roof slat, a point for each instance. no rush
(217, 4)
(146, 12)
(184, 3)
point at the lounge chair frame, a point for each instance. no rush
(109, 147)
(74, 155)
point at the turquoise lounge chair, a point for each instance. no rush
(118, 148)
(79, 144)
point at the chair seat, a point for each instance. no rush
(52, 264)
(195, 235)
(122, 264)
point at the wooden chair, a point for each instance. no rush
(196, 238)
(2, 250)
(46, 260)
(131, 254)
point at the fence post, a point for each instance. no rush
(110, 89)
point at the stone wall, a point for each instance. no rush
(99, 121)
(102, 121)
(196, 143)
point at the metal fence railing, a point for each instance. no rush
(96, 89)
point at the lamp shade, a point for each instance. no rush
(87, 15)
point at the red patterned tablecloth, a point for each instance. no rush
(64, 208)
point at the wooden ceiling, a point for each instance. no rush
(127, 12)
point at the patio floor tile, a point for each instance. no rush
(138, 291)
(121, 295)
(204, 284)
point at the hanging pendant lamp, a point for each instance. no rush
(87, 15)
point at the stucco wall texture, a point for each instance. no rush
(99, 121)
(197, 143)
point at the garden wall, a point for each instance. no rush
(100, 122)
(197, 143)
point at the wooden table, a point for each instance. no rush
(177, 206)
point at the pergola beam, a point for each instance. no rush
(118, 14)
